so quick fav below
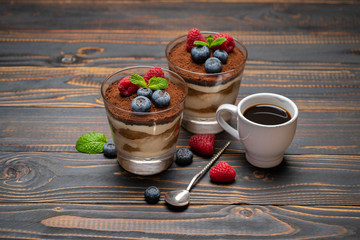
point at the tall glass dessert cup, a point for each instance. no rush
(206, 91)
(145, 141)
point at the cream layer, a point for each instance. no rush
(142, 140)
(205, 102)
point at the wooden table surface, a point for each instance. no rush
(54, 56)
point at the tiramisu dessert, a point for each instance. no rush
(144, 106)
(212, 65)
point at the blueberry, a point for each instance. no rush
(144, 91)
(161, 98)
(199, 54)
(222, 55)
(184, 156)
(109, 150)
(152, 194)
(140, 104)
(213, 65)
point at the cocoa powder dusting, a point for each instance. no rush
(112, 95)
(181, 58)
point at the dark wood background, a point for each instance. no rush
(53, 58)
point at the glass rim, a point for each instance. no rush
(142, 113)
(167, 50)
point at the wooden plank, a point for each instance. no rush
(31, 177)
(60, 221)
(57, 129)
(167, 15)
(109, 48)
(314, 87)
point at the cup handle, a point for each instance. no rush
(233, 110)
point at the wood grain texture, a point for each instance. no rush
(84, 178)
(326, 86)
(166, 15)
(54, 56)
(57, 129)
(64, 221)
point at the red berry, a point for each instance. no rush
(193, 35)
(203, 144)
(222, 172)
(154, 72)
(228, 45)
(126, 87)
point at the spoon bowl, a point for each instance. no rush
(180, 198)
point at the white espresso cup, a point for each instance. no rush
(265, 145)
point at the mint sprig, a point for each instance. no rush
(155, 83)
(210, 42)
(91, 143)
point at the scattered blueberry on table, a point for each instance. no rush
(152, 194)
(109, 149)
(184, 156)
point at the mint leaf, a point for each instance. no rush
(157, 83)
(91, 143)
(138, 80)
(210, 42)
(217, 42)
(200, 43)
(210, 39)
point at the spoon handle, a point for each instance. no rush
(201, 173)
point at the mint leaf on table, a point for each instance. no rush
(157, 83)
(91, 143)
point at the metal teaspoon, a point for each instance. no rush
(180, 198)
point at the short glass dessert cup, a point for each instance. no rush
(207, 91)
(145, 141)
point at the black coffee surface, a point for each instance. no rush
(267, 114)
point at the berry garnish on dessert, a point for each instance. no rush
(213, 65)
(126, 87)
(152, 194)
(199, 54)
(222, 55)
(153, 80)
(203, 144)
(222, 172)
(218, 46)
(144, 91)
(109, 149)
(154, 72)
(228, 45)
(140, 104)
(184, 156)
(161, 98)
(193, 35)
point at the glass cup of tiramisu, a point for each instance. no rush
(144, 131)
(206, 90)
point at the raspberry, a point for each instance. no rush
(154, 72)
(193, 35)
(203, 144)
(228, 45)
(126, 87)
(222, 172)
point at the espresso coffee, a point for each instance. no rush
(267, 114)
